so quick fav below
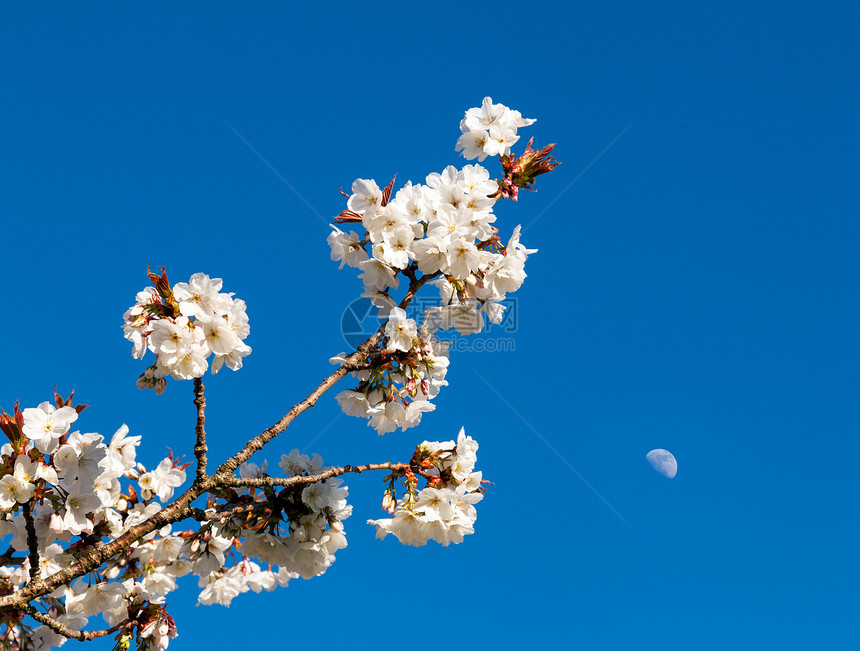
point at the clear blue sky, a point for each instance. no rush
(695, 290)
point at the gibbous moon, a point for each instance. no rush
(663, 462)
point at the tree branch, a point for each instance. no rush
(32, 541)
(8, 558)
(101, 552)
(65, 631)
(200, 448)
(180, 509)
(214, 516)
(311, 479)
(352, 363)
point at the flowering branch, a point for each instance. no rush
(176, 511)
(103, 551)
(180, 509)
(111, 547)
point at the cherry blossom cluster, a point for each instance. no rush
(406, 375)
(434, 225)
(490, 130)
(74, 480)
(183, 326)
(61, 491)
(444, 511)
(249, 538)
(443, 233)
(296, 529)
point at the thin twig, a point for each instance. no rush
(200, 448)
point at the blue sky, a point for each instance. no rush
(695, 290)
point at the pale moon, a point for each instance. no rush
(663, 462)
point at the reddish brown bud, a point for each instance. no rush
(13, 424)
(521, 172)
(58, 400)
(132, 495)
(161, 283)
(9, 426)
(162, 286)
(386, 193)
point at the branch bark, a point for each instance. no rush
(32, 541)
(312, 479)
(200, 448)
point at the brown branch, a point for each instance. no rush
(8, 558)
(180, 509)
(101, 552)
(352, 363)
(200, 448)
(32, 541)
(212, 516)
(65, 631)
(7, 561)
(311, 479)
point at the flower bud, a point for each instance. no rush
(388, 504)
